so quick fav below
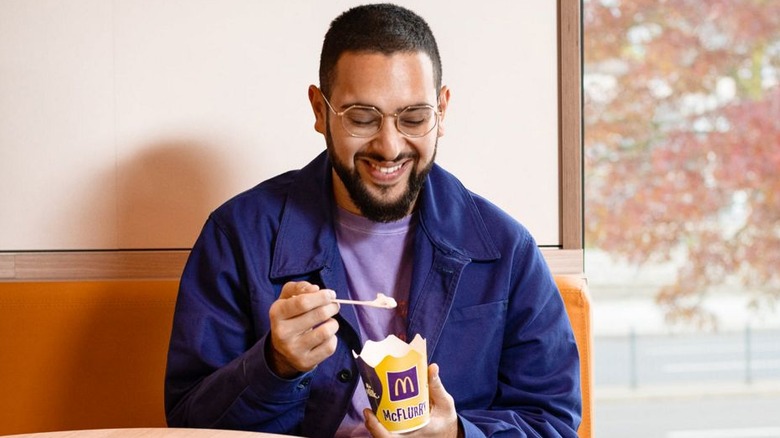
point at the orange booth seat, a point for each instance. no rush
(574, 291)
(91, 354)
(83, 354)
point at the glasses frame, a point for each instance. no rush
(382, 115)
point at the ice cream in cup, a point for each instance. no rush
(395, 376)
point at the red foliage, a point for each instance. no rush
(682, 140)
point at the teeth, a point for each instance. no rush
(386, 170)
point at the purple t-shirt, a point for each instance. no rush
(377, 258)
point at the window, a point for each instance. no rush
(682, 215)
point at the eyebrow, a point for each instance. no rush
(398, 110)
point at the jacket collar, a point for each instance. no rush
(306, 241)
(451, 219)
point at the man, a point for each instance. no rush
(257, 342)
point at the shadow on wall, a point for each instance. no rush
(166, 190)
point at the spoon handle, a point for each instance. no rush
(356, 302)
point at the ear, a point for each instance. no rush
(320, 109)
(444, 101)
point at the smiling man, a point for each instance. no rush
(258, 343)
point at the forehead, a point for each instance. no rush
(385, 81)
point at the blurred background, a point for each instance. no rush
(682, 215)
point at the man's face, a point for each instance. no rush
(380, 176)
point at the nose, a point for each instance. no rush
(389, 142)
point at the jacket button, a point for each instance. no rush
(304, 383)
(345, 375)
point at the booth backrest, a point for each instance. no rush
(91, 354)
(83, 355)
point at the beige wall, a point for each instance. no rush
(123, 123)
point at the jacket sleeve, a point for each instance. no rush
(538, 391)
(217, 375)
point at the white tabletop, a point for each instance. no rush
(151, 433)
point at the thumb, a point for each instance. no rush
(436, 392)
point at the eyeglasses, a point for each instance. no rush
(365, 121)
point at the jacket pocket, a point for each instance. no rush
(469, 351)
(488, 310)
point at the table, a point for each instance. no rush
(153, 432)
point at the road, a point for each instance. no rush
(734, 357)
(689, 384)
(696, 385)
(741, 416)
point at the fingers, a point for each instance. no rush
(303, 331)
(300, 298)
(373, 425)
(443, 414)
(436, 391)
(298, 314)
(441, 400)
(298, 288)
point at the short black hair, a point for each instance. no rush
(384, 28)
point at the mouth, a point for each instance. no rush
(386, 173)
(387, 170)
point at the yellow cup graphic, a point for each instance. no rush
(395, 376)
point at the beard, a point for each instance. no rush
(372, 207)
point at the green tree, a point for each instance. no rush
(682, 142)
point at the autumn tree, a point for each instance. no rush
(682, 142)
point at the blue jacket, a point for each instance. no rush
(482, 296)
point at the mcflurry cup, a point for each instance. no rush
(395, 376)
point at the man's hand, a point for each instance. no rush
(303, 331)
(444, 420)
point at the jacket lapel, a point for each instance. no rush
(450, 236)
(431, 300)
(306, 243)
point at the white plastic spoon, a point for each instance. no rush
(382, 301)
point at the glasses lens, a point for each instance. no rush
(362, 122)
(417, 121)
(414, 121)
